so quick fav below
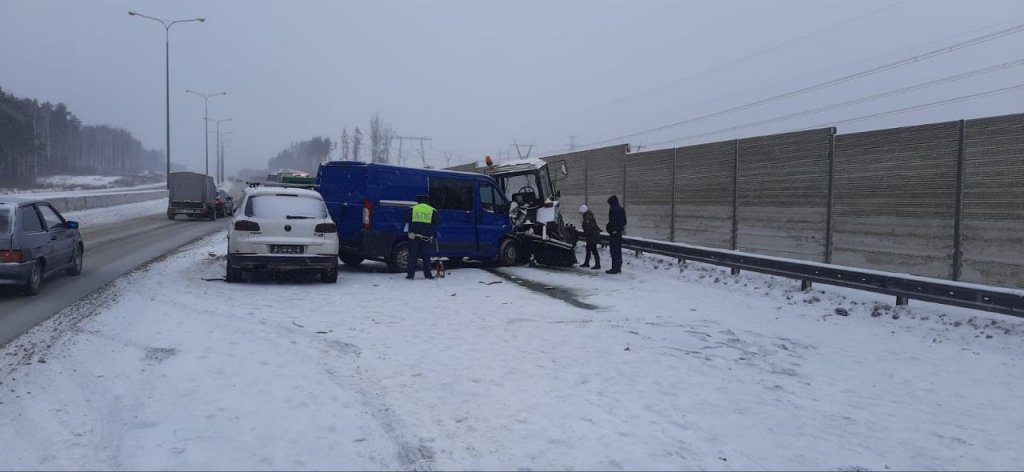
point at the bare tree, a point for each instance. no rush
(381, 135)
(345, 149)
(357, 142)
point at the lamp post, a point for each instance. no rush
(206, 121)
(220, 168)
(167, 76)
(223, 143)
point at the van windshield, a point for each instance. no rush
(285, 206)
(5, 220)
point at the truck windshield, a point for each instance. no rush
(285, 206)
(5, 220)
(524, 182)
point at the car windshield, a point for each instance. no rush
(285, 206)
(5, 220)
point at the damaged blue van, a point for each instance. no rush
(370, 205)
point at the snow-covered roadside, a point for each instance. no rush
(677, 368)
(114, 214)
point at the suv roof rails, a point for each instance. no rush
(252, 184)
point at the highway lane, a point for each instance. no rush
(110, 251)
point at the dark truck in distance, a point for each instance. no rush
(191, 194)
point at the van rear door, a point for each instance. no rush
(453, 197)
(344, 188)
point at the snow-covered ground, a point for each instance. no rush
(114, 214)
(70, 185)
(661, 367)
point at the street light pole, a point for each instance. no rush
(220, 170)
(206, 121)
(167, 78)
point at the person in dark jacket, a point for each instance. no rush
(616, 225)
(591, 233)
(422, 220)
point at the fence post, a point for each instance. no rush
(735, 193)
(586, 177)
(828, 202)
(958, 250)
(672, 219)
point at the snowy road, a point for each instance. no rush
(662, 367)
(117, 240)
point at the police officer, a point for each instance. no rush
(422, 220)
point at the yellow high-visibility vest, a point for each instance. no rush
(422, 213)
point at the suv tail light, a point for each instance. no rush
(326, 228)
(246, 225)
(10, 256)
(367, 214)
(216, 200)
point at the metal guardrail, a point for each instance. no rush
(902, 286)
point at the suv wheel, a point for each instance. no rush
(76, 261)
(233, 275)
(329, 276)
(35, 279)
(398, 261)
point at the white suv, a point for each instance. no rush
(282, 229)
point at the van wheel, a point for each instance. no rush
(35, 279)
(398, 261)
(350, 259)
(508, 252)
(76, 261)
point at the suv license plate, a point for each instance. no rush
(281, 249)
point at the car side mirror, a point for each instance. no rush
(71, 225)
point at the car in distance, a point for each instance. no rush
(282, 229)
(36, 242)
(224, 204)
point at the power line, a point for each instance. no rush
(939, 103)
(829, 83)
(891, 93)
(748, 56)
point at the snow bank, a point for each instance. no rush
(114, 214)
(677, 367)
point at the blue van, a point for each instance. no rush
(370, 205)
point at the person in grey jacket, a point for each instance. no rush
(591, 234)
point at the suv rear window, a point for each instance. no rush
(284, 206)
(5, 220)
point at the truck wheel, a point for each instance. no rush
(233, 275)
(170, 216)
(350, 259)
(212, 215)
(508, 252)
(398, 261)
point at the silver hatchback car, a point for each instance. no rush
(36, 242)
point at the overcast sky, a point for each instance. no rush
(477, 75)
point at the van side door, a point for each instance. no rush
(455, 202)
(492, 222)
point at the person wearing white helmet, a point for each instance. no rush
(591, 234)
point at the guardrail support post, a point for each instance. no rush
(734, 271)
(805, 285)
(902, 301)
